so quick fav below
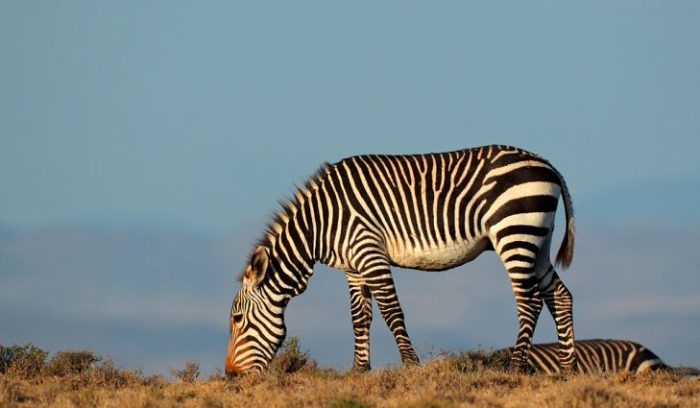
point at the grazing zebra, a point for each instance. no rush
(429, 212)
(595, 356)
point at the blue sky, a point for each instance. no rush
(188, 121)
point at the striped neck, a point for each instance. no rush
(290, 240)
(293, 238)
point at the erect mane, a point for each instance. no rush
(288, 207)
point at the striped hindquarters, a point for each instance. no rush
(434, 211)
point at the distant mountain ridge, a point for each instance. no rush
(126, 292)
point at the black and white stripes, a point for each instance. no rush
(431, 212)
(596, 356)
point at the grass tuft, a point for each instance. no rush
(290, 358)
(351, 402)
(187, 374)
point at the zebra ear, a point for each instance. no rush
(259, 262)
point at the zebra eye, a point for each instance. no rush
(238, 317)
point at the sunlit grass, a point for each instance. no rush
(28, 377)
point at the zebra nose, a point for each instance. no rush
(229, 365)
(232, 370)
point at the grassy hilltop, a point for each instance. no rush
(29, 378)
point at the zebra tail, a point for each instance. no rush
(566, 250)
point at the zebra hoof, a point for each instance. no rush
(568, 371)
(410, 361)
(516, 367)
(515, 370)
(361, 368)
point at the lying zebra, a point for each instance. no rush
(594, 356)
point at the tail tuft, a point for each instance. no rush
(566, 251)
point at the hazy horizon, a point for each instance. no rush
(153, 299)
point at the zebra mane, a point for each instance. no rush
(288, 207)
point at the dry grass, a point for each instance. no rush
(80, 378)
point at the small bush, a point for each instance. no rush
(107, 374)
(25, 361)
(290, 358)
(188, 374)
(689, 371)
(470, 361)
(217, 375)
(71, 362)
(154, 381)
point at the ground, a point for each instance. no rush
(448, 379)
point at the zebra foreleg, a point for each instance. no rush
(381, 285)
(361, 310)
(560, 304)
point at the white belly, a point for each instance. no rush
(438, 257)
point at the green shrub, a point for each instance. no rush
(470, 361)
(26, 361)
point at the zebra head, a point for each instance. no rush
(256, 323)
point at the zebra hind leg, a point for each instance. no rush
(560, 304)
(529, 305)
(519, 258)
(361, 310)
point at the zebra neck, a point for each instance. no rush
(292, 260)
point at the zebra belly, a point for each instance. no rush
(437, 258)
